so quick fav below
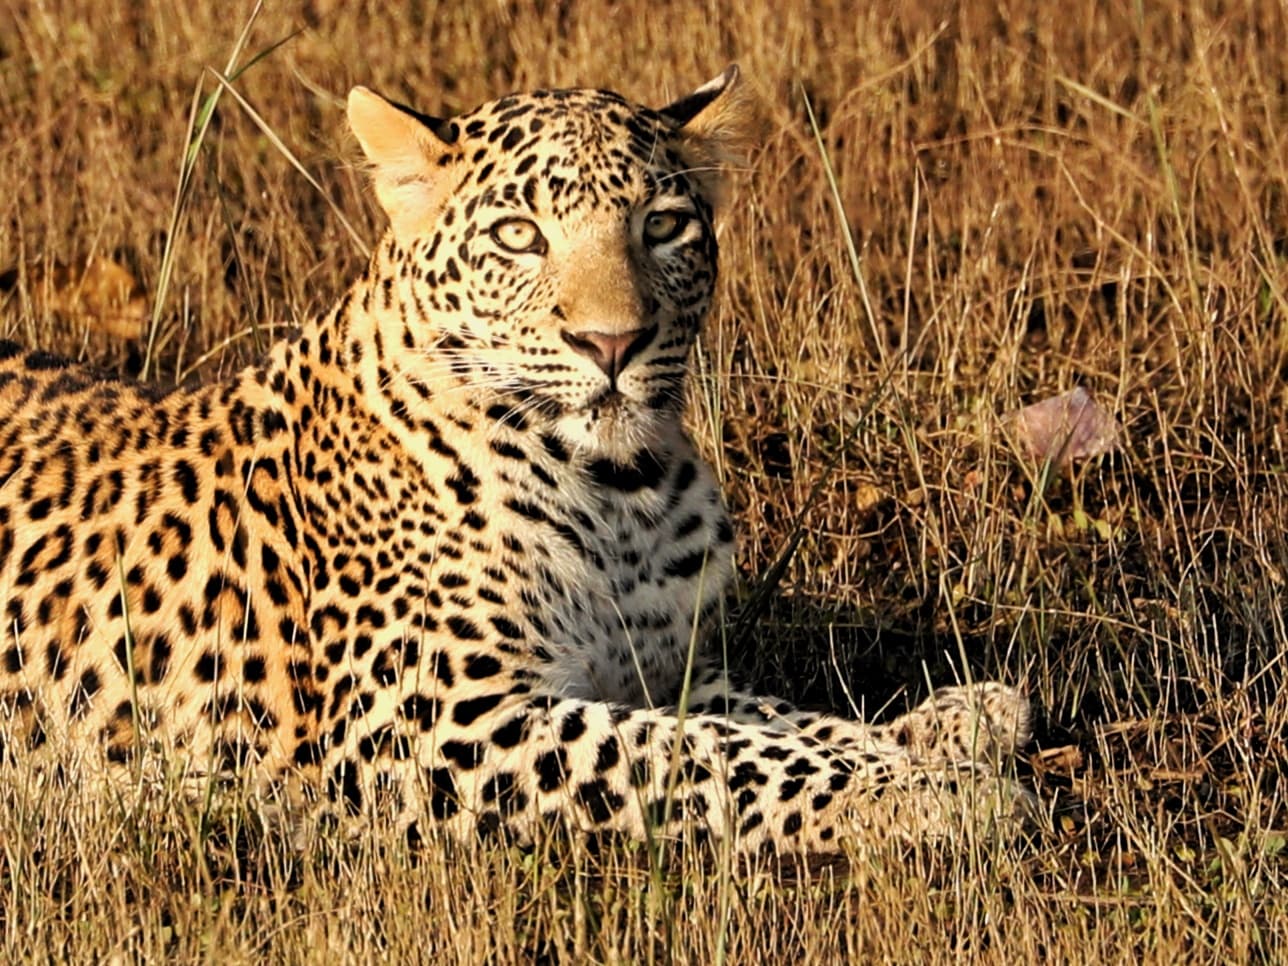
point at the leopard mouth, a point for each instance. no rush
(609, 406)
(608, 402)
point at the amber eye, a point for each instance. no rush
(518, 235)
(664, 226)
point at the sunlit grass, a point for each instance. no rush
(1037, 197)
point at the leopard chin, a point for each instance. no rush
(611, 405)
(615, 427)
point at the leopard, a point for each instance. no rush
(447, 553)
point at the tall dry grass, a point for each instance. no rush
(1039, 195)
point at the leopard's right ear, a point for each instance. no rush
(407, 152)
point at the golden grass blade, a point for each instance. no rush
(198, 124)
(843, 225)
(286, 152)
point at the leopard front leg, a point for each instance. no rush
(530, 764)
(986, 721)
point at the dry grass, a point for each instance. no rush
(1040, 197)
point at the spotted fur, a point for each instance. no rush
(448, 551)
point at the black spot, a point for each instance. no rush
(506, 627)
(790, 789)
(801, 766)
(599, 800)
(55, 661)
(370, 616)
(512, 139)
(480, 666)
(440, 665)
(488, 825)
(687, 565)
(442, 793)
(344, 784)
(645, 473)
(574, 726)
(466, 755)
(555, 448)
(468, 711)
(507, 415)
(552, 767)
(465, 630)
(159, 659)
(186, 477)
(207, 667)
(685, 477)
(464, 484)
(360, 705)
(253, 670)
(608, 756)
(383, 740)
(383, 668)
(526, 509)
(746, 773)
(510, 734)
(86, 688)
(421, 708)
(508, 450)
(724, 531)
(503, 791)
(792, 824)
(688, 525)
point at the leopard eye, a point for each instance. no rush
(518, 235)
(664, 226)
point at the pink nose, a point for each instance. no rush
(610, 350)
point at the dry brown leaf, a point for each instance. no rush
(99, 293)
(1067, 427)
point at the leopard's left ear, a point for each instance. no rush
(715, 120)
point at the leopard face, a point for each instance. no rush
(556, 249)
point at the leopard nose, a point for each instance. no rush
(610, 350)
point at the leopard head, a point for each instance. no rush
(553, 249)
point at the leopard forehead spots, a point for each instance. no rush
(557, 151)
(442, 557)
